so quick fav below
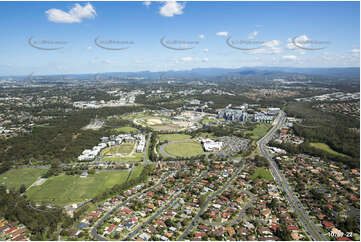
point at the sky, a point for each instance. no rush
(91, 37)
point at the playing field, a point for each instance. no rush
(262, 173)
(154, 121)
(123, 149)
(259, 131)
(63, 189)
(184, 149)
(172, 137)
(14, 178)
(325, 147)
(125, 130)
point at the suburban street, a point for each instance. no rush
(163, 208)
(93, 230)
(195, 220)
(307, 222)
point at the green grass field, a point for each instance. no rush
(133, 158)
(187, 149)
(171, 137)
(124, 148)
(259, 131)
(262, 173)
(126, 129)
(14, 178)
(325, 147)
(63, 189)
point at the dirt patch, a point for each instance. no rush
(154, 121)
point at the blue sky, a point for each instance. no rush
(327, 34)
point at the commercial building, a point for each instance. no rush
(211, 145)
(233, 115)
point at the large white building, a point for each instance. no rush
(211, 145)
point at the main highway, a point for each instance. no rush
(303, 216)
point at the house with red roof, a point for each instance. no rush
(327, 224)
(292, 228)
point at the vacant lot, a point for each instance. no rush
(123, 149)
(325, 147)
(171, 137)
(14, 178)
(132, 158)
(259, 131)
(262, 173)
(63, 189)
(184, 149)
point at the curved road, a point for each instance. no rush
(308, 224)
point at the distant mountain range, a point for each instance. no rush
(347, 72)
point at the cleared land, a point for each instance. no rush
(262, 173)
(325, 147)
(126, 129)
(259, 131)
(14, 178)
(172, 137)
(133, 158)
(63, 189)
(154, 121)
(184, 149)
(124, 149)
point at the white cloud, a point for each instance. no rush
(89, 48)
(75, 15)
(205, 50)
(289, 57)
(147, 3)
(187, 59)
(222, 33)
(190, 59)
(253, 35)
(201, 36)
(171, 8)
(269, 47)
(355, 50)
(272, 43)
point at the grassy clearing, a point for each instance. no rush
(14, 178)
(172, 137)
(259, 131)
(134, 158)
(126, 129)
(63, 189)
(325, 147)
(124, 148)
(186, 149)
(262, 173)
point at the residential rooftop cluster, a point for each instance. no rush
(335, 96)
(250, 209)
(13, 231)
(349, 108)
